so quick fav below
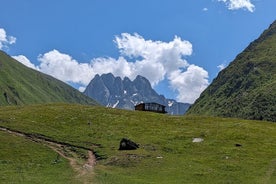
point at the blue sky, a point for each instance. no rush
(179, 45)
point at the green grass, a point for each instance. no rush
(23, 161)
(166, 154)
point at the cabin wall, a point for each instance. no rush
(140, 107)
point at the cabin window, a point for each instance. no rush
(147, 106)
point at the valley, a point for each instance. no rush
(167, 153)
(50, 132)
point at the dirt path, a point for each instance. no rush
(84, 169)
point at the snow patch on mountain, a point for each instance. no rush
(115, 105)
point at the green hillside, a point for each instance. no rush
(232, 151)
(23, 161)
(247, 87)
(21, 85)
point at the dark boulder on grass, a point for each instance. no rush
(126, 144)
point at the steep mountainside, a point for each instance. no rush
(21, 85)
(114, 92)
(247, 87)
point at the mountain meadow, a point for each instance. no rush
(51, 143)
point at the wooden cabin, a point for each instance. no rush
(153, 107)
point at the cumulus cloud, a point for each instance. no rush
(239, 4)
(119, 67)
(65, 68)
(5, 40)
(221, 66)
(81, 89)
(155, 60)
(24, 60)
(189, 83)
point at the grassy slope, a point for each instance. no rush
(23, 85)
(166, 153)
(247, 87)
(22, 161)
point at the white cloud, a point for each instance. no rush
(205, 9)
(136, 46)
(189, 83)
(5, 40)
(221, 66)
(239, 4)
(24, 60)
(119, 67)
(65, 68)
(81, 89)
(155, 60)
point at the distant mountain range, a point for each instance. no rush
(21, 85)
(247, 87)
(115, 92)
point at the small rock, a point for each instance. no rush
(127, 144)
(198, 140)
(238, 145)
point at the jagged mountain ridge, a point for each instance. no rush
(247, 87)
(115, 92)
(20, 85)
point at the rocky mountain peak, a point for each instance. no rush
(114, 92)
